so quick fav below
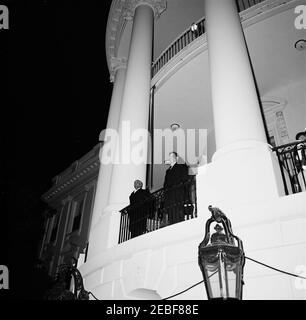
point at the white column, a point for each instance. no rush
(100, 220)
(134, 114)
(243, 170)
(118, 73)
(135, 107)
(236, 108)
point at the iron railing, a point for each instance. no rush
(162, 208)
(175, 47)
(188, 36)
(292, 161)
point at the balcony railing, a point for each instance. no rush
(188, 36)
(180, 43)
(292, 161)
(164, 207)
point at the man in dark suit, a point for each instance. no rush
(175, 176)
(137, 213)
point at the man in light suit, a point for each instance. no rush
(138, 212)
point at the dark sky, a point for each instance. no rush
(59, 85)
(58, 99)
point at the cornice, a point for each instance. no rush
(114, 29)
(120, 12)
(71, 180)
(158, 6)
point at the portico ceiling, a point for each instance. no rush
(185, 96)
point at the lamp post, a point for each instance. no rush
(221, 259)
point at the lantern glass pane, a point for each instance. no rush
(213, 277)
(233, 278)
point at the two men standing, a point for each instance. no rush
(177, 197)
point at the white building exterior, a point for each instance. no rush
(211, 81)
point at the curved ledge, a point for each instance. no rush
(255, 13)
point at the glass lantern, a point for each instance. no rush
(221, 259)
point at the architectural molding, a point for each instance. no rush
(120, 12)
(264, 7)
(158, 6)
(90, 185)
(273, 104)
(275, 119)
(115, 26)
(73, 179)
(115, 65)
(66, 200)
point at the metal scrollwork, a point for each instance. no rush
(61, 289)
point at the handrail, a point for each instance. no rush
(292, 162)
(154, 194)
(188, 36)
(163, 207)
(182, 41)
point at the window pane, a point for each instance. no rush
(78, 216)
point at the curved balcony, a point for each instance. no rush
(191, 34)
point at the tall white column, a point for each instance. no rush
(236, 108)
(133, 117)
(118, 73)
(243, 170)
(100, 220)
(135, 106)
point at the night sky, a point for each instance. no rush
(59, 94)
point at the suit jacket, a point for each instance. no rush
(175, 175)
(139, 196)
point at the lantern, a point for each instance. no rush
(221, 259)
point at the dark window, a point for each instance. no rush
(54, 228)
(78, 215)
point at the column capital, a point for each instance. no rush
(90, 185)
(115, 65)
(158, 6)
(66, 200)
